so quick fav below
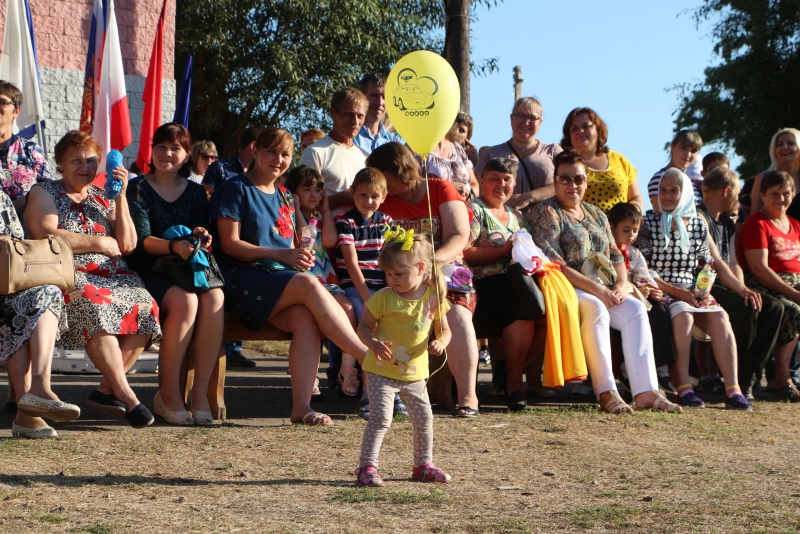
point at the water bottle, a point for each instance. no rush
(705, 279)
(113, 186)
(308, 235)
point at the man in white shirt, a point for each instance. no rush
(335, 156)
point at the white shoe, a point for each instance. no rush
(56, 410)
(32, 433)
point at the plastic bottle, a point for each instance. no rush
(308, 236)
(705, 279)
(113, 186)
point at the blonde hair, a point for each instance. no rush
(421, 251)
(773, 145)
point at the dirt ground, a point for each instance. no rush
(561, 467)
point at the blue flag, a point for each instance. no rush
(182, 104)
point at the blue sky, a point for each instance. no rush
(615, 56)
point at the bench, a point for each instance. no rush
(233, 330)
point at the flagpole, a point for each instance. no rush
(40, 135)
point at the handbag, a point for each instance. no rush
(598, 268)
(527, 298)
(178, 271)
(27, 263)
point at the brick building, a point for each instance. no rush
(62, 30)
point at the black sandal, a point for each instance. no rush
(466, 412)
(517, 402)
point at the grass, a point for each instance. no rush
(360, 495)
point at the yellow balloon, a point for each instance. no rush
(422, 99)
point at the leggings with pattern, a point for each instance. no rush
(381, 391)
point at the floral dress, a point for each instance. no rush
(107, 295)
(19, 312)
(22, 165)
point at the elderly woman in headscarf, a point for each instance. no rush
(675, 244)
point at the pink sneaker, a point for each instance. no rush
(430, 473)
(348, 378)
(368, 476)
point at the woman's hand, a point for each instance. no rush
(203, 235)
(703, 298)
(381, 349)
(463, 189)
(751, 298)
(122, 175)
(606, 296)
(436, 347)
(686, 295)
(299, 258)
(182, 247)
(323, 205)
(109, 247)
(620, 290)
(655, 294)
(519, 202)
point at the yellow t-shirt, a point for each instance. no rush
(608, 188)
(407, 324)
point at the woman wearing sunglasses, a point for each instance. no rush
(569, 230)
(612, 178)
(204, 153)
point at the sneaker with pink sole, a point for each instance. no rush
(348, 378)
(368, 476)
(430, 473)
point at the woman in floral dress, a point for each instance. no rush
(30, 322)
(110, 312)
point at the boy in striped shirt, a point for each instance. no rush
(360, 240)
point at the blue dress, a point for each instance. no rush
(266, 221)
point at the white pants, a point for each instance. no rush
(630, 318)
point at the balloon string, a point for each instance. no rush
(435, 264)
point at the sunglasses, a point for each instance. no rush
(211, 157)
(5, 103)
(566, 179)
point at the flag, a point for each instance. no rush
(19, 66)
(112, 122)
(94, 57)
(151, 116)
(182, 106)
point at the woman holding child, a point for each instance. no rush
(448, 223)
(262, 268)
(569, 230)
(675, 244)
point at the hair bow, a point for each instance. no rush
(396, 233)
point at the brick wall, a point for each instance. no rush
(62, 30)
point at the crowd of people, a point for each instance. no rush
(387, 257)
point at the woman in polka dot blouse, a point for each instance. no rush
(612, 178)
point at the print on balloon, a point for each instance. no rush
(414, 94)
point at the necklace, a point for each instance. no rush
(608, 166)
(524, 152)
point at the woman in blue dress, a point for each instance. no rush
(264, 282)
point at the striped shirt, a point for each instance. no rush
(367, 237)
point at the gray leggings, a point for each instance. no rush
(381, 391)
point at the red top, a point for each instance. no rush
(783, 250)
(415, 216)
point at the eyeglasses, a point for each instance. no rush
(212, 157)
(5, 103)
(524, 117)
(566, 179)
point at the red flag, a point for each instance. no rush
(151, 116)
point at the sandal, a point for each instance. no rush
(466, 412)
(663, 405)
(368, 476)
(615, 405)
(516, 401)
(430, 473)
(348, 379)
(316, 394)
(316, 419)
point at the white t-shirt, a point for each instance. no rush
(337, 163)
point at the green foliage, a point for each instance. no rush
(751, 93)
(277, 62)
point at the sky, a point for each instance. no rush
(618, 57)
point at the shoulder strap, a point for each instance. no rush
(522, 163)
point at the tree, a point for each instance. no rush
(751, 93)
(277, 62)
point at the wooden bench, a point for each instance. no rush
(233, 331)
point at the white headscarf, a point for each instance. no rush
(685, 208)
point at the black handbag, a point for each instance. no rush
(526, 297)
(178, 271)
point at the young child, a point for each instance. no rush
(625, 220)
(684, 149)
(360, 237)
(397, 355)
(307, 186)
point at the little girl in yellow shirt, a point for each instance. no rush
(395, 327)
